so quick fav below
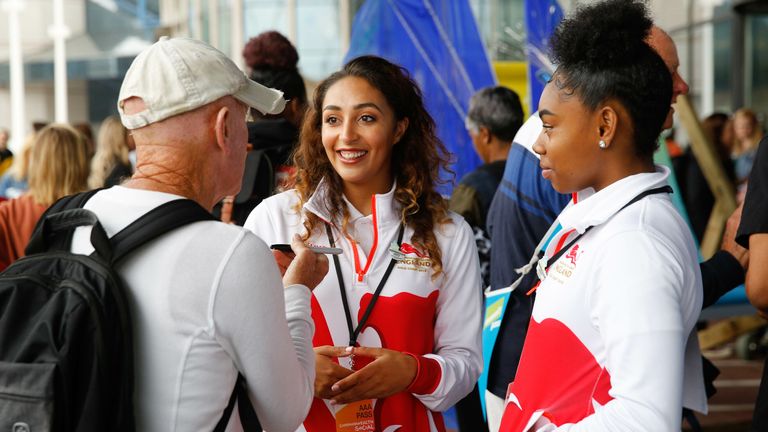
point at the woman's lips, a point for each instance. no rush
(546, 172)
(351, 156)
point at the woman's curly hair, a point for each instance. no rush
(601, 52)
(416, 159)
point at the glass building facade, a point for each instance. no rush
(111, 32)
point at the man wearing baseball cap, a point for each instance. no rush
(207, 300)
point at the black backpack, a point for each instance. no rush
(66, 354)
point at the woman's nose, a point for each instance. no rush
(348, 131)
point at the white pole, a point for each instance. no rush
(213, 23)
(183, 19)
(18, 120)
(237, 33)
(345, 26)
(197, 20)
(59, 32)
(290, 8)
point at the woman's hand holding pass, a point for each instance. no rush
(390, 372)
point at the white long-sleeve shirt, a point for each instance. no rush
(436, 320)
(207, 300)
(611, 344)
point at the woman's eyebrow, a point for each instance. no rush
(357, 107)
(546, 112)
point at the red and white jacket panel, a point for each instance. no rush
(438, 321)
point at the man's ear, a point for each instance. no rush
(400, 128)
(222, 128)
(484, 134)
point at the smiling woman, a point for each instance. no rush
(405, 292)
(359, 131)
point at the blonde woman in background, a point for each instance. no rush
(58, 166)
(110, 165)
(14, 182)
(747, 133)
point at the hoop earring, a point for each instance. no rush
(602, 144)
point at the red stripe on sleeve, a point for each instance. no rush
(428, 374)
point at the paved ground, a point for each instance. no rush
(730, 409)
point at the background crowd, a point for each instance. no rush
(301, 180)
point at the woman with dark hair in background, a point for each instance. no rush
(397, 334)
(272, 60)
(611, 343)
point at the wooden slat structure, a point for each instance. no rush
(722, 189)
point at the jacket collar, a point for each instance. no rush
(387, 209)
(594, 208)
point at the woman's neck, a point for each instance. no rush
(360, 195)
(622, 171)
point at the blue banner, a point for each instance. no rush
(541, 18)
(438, 43)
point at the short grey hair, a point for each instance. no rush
(498, 109)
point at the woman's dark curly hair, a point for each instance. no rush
(273, 61)
(416, 158)
(602, 54)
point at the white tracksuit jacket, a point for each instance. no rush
(611, 344)
(439, 321)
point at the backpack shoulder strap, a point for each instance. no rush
(158, 221)
(39, 240)
(72, 201)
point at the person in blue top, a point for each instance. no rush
(494, 117)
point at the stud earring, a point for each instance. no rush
(602, 144)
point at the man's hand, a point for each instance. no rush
(327, 371)
(390, 372)
(306, 268)
(729, 238)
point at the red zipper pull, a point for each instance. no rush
(531, 291)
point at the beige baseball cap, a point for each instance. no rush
(177, 75)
